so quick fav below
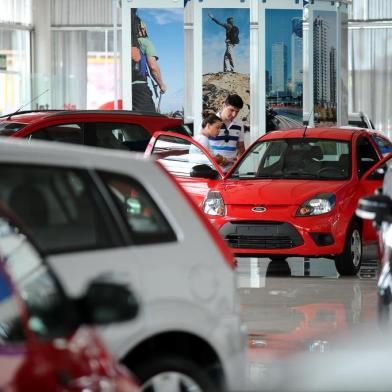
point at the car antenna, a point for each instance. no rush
(28, 103)
(307, 123)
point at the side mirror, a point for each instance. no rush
(204, 171)
(108, 302)
(375, 207)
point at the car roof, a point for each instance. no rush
(26, 117)
(71, 155)
(318, 133)
(31, 115)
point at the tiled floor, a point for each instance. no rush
(299, 307)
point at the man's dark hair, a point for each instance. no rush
(209, 118)
(234, 100)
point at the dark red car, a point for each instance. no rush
(46, 343)
(293, 192)
(117, 129)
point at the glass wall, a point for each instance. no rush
(14, 69)
(83, 69)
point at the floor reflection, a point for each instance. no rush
(299, 306)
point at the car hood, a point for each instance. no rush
(275, 192)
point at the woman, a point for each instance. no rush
(210, 127)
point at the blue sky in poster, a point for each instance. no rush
(278, 29)
(166, 30)
(214, 39)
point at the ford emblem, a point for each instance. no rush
(259, 209)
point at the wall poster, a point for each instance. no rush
(158, 60)
(324, 67)
(283, 68)
(226, 63)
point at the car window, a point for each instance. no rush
(7, 129)
(366, 155)
(117, 136)
(179, 156)
(384, 145)
(297, 158)
(145, 221)
(58, 205)
(184, 129)
(380, 171)
(358, 123)
(48, 312)
(65, 133)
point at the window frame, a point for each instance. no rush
(114, 233)
(133, 237)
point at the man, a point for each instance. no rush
(230, 141)
(143, 66)
(231, 40)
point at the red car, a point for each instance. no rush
(122, 130)
(293, 192)
(43, 345)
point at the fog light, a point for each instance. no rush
(322, 239)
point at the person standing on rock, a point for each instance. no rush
(230, 141)
(232, 33)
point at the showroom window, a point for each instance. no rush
(15, 55)
(83, 58)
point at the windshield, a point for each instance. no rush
(296, 159)
(7, 129)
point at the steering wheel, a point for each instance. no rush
(324, 171)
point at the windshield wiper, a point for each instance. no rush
(243, 175)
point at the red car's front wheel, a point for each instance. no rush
(349, 262)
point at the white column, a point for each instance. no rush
(257, 81)
(41, 53)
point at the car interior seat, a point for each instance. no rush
(292, 160)
(316, 153)
(344, 163)
(29, 203)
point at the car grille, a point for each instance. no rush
(259, 242)
(261, 235)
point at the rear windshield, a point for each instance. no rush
(181, 129)
(7, 129)
(318, 159)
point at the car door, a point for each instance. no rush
(71, 222)
(370, 182)
(189, 162)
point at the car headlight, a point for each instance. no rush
(214, 204)
(320, 204)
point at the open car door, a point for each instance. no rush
(189, 162)
(372, 180)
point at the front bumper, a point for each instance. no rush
(322, 235)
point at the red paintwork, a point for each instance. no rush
(312, 327)
(76, 362)
(110, 105)
(80, 358)
(282, 197)
(38, 120)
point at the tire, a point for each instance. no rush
(349, 262)
(278, 266)
(173, 373)
(278, 258)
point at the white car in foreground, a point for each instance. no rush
(96, 211)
